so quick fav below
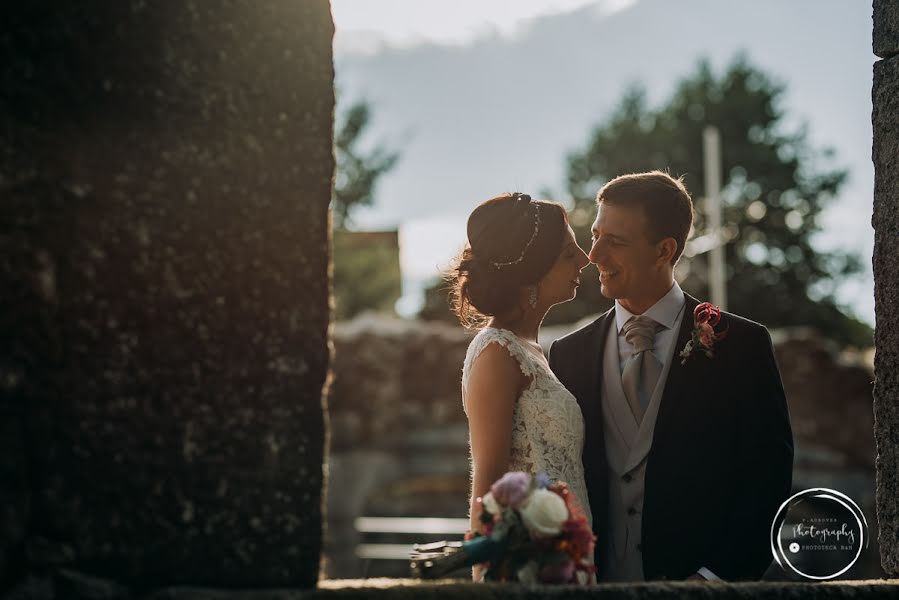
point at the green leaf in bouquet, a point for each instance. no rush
(509, 520)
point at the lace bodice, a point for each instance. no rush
(547, 424)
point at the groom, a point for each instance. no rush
(686, 459)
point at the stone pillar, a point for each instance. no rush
(165, 174)
(886, 277)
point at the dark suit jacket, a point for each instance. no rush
(721, 459)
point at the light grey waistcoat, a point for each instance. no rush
(627, 446)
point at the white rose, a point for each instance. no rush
(544, 513)
(490, 504)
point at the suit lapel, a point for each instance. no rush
(674, 385)
(595, 460)
(595, 354)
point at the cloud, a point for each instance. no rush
(364, 27)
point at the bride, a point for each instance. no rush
(521, 259)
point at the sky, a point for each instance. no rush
(482, 98)
(457, 23)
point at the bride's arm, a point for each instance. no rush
(493, 387)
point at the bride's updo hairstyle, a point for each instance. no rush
(513, 241)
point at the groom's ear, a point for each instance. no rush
(665, 251)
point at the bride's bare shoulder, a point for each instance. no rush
(494, 373)
(496, 358)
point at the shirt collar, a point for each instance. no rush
(665, 311)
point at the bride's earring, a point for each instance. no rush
(533, 298)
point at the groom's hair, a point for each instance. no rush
(665, 202)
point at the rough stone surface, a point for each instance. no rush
(886, 28)
(165, 172)
(392, 376)
(830, 403)
(399, 438)
(886, 303)
(403, 589)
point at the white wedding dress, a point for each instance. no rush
(547, 424)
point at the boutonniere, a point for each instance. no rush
(705, 317)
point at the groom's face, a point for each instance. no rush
(622, 252)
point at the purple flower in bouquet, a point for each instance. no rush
(512, 488)
(557, 572)
(539, 531)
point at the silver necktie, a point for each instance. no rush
(642, 369)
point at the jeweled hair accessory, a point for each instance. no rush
(527, 199)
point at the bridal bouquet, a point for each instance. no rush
(533, 531)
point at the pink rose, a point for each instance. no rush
(701, 317)
(557, 573)
(579, 537)
(512, 488)
(705, 317)
(701, 312)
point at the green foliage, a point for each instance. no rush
(775, 187)
(366, 264)
(437, 304)
(366, 272)
(357, 173)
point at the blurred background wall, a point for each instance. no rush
(399, 445)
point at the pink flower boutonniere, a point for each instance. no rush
(705, 317)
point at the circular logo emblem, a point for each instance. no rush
(818, 534)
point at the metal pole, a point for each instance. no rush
(711, 149)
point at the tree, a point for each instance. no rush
(357, 173)
(366, 264)
(775, 187)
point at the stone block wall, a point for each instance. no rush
(165, 174)
(885, 97)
